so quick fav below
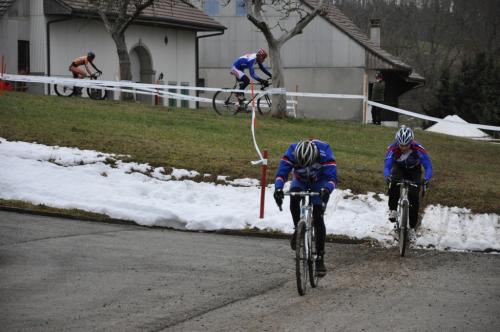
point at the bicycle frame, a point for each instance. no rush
(305, 263)
(402, 222)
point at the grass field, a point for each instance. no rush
(466, 173)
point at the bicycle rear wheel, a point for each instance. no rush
(64, 90)
(264, 105)
(313, 276)
(224, 102)
(301, 263)
(403, 230)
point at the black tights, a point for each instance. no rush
(413, 174)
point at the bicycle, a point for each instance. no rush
(305, 249)
(402, 221)
(64, 90)
(225, 101)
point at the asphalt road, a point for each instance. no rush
(71, 275)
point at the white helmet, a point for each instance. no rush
(404, 136)
(306, 153)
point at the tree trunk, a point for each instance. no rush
(124, 62)
(279, 100)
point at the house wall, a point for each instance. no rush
(321, 59)
(12, 28)
(73, 38)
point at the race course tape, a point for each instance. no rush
(162, 90)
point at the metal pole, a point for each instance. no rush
(263, 185)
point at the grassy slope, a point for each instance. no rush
(466, 172)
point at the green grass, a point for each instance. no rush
(465, 172)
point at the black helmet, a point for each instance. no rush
(91, 55)
(306, 153)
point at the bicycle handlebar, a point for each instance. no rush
(301, 193)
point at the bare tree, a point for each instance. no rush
(117, 15)
(285, 10)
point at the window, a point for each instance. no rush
(185, 102)
(241, 9)
(211, 7)
(171, 101)
(23, 56)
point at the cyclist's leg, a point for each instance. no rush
(77, 72)
(243, 80)
(295, 208)
(318, 220)
(295, 186)
(396, 175)
(414, 196)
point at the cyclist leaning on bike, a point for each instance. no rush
(247, 61)
(314, 168)
(83, 61)
(76, 68)
(404, 159)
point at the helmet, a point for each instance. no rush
(261, 55)
(306, 153)
(404, 136)
(91, 55)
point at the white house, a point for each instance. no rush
(42, 37)
(332, 55)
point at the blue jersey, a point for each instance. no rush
(247, 61)
(324, 170)
(415, 157)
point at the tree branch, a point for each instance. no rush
(302, 23)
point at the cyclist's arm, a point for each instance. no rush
(388, 162)
(284, 168)
(426, 162)
(87, 68)
(95, 68)
(252, 72)
(264, 69)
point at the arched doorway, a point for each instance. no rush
(141, 66)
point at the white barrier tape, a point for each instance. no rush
(431, 118)
(160, 89)
(324, 95)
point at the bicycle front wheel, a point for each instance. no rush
(224, 102)
(264, 105)
(301, 261)
(311, 260)
(403, 230)
(96, 94)
(64, 90)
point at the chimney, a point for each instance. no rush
(375, 31)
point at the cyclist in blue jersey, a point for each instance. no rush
(314, 168)
(248, 61)
(404, 159)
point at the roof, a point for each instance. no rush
(334, 16)
(173, 13)
(4, 5)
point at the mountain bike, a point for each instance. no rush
(402, 221)
(65, 90)
(305, 249)
(227, 102)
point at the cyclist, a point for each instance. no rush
(404, 159)
(314, 168)
(84, 61)
(248, 61)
